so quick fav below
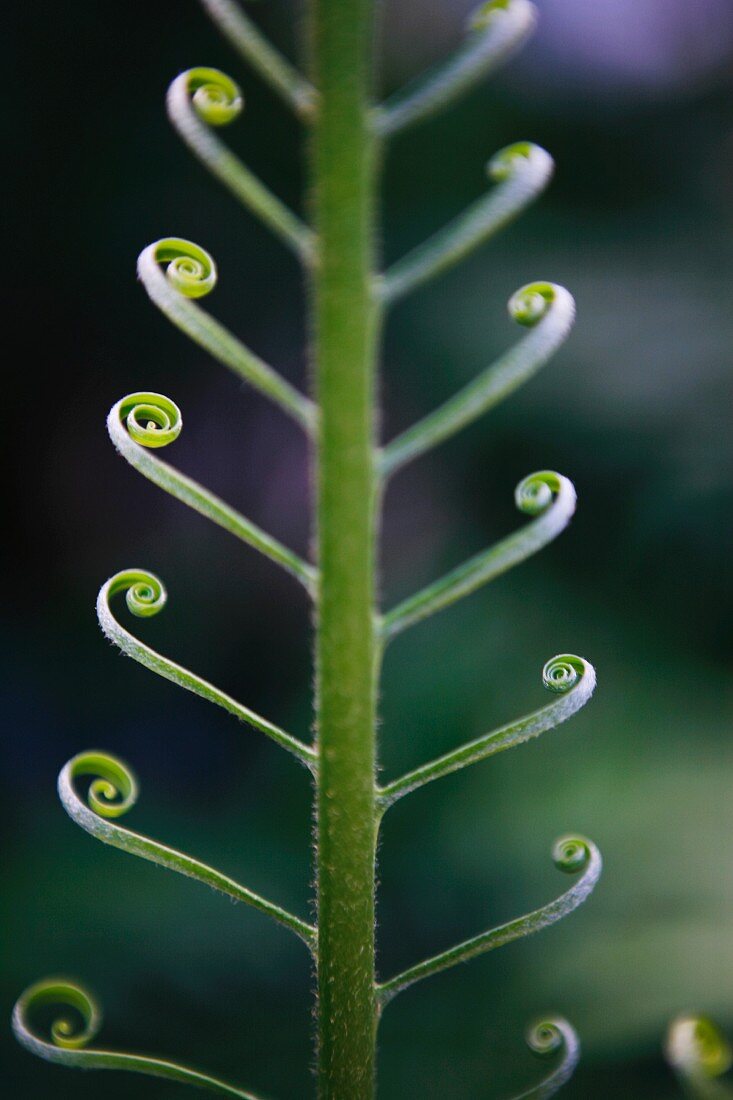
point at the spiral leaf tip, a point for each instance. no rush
(144, 592)
(528, 305)
(190, 269)
(73, 1030)
(113, 789)
(482, 16)
(151, 419)
(74, 1023)
(216, 98)
(514, 157)
(573, 854)
(695, 1046)
(536, 492)
(546, 1037)
(562, 673)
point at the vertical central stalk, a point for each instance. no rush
(344, 321)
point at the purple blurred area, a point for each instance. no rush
(620, 49)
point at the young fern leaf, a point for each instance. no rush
(112, 792)
(145, 595)
(239, 29)
(191, 273)
(571, 854)
(495, 30)
(142, 422)
(521, 172)
(699, 1054)
(548, 1037)
(347, 301)
(202, 98)
(571, 678)
(548, 496)
(548, 310)
(71, 1033)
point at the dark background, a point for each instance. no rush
(634, 101)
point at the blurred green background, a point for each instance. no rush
(633, 98)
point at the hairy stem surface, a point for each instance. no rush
(344, 322)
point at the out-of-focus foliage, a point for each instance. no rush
(636, 108)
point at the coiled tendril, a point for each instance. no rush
(70, 1033)
(530, 303)
(571, 678)
(215, 96)
(699, 1054)
(152, 419)
(546, 495)
(202, 98)
(521, 171)
(481, 17)
(191, 273)
(495, 30)
(512, 159)
(144, 421)
(563, 672)
(574, 855)
(546, 1038)
(548, 311)
(536, 492)
(113, 791)
(74, 1029)
(190, 269)
(146, 595)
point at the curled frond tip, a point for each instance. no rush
(528, 305)
(113, 789)
(535, 493)
(697, 1049)
(486, 14)
(572, 854)
(75, 1021)
(216, 98)
(190, 269)
(75, 1027)
(111, 792)
(520, 156)
(546, 1038)
(562, 673)
(151, 419)
(145, 594)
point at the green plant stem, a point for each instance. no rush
(344, 322)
